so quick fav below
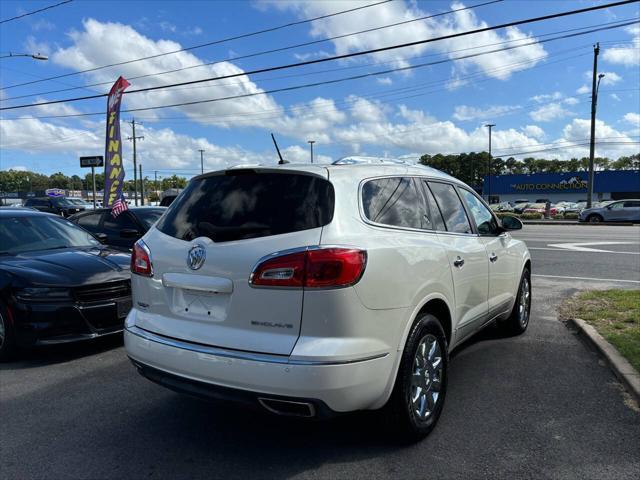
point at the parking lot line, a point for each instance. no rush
(587, 278)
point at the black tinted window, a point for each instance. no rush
(436, 216)
(632, 204)
(90, 222)
(149, 217)
(112, 226)
(485, 221)
(245, 204)
(455, 218)
(394, 201)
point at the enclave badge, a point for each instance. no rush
(196, 257)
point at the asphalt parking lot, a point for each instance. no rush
(542, 405)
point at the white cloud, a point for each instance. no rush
(466, 113)
(632, 118)
(534, 131)
(545, 97)
(384, 80)
(571, 101)
(583, 89)
(610, 78)
(33, 46)
(42, 24)
(167, 26)
(19, 168)
(609, 141)
(626, 54)
(398, 11)
(366, 111)
(549, 112)
(298, 154)
(614, 96)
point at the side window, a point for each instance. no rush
(455, 218)
(617, 205)
(436, 215)
(90, 222)
(112, 226)
(394, 201)
(632, 204)
(485, 221)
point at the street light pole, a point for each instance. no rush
(201, 161)
(311, 142)
(489, 126)
(594, 102)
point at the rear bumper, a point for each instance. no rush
(331, 387)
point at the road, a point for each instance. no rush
(542, 405)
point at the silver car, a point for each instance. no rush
(621, 211)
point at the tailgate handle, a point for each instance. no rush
(197, 282)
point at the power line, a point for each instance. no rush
(347, 55)
(265, 52)
(384, 72)
(207, 44)
(35, 11)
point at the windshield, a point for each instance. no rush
(245, 204)
(21, 234)
(149, 217)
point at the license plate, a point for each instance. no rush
(123, 307)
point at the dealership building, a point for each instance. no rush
(558, 187)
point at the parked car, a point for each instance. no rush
(519, 207)
(58, 205)
(58, 284)
(122, 231)
(313, 290)
(82, 203)
(615, 211)
(541, 208)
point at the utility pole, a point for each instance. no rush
(155, 183)
(141, 187)
(135, 167)
(595, 84)
(201, 161)
(489, 126)
(311, 142)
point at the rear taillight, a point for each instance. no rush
(141, 260)
(312, 268)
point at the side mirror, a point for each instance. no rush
(129, 233)
(101, 237)
(511, 223)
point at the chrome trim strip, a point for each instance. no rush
(239, 355)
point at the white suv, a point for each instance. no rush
(312, 290)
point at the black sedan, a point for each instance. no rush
(122, 231)
(57, 282)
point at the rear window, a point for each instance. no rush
(245, 204)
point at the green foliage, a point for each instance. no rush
(507, 214)
(532, 216)
(570, 216)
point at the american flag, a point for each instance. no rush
(119, 206)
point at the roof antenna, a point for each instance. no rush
(282, 160)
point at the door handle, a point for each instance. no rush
(493, 257)
(458, 262)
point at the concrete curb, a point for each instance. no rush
(625, 372)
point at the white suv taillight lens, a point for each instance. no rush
(141, 260)
(316, 268)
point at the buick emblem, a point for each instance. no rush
(196, 257)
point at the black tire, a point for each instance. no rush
(518, 320)
(594, 218)
(403, 416)
(7, 340)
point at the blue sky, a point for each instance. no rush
(537, 95)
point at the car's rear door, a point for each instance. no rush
(631, 210)
(232, 220)
(467, 258)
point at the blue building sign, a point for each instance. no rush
(607, 181)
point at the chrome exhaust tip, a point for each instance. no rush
(288, 408)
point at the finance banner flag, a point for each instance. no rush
(113, 168)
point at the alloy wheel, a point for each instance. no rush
(525, 300)
(426, 377)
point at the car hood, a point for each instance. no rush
(68, 267)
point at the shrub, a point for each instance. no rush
(506, 214)
(570, 216)
(532, 216)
